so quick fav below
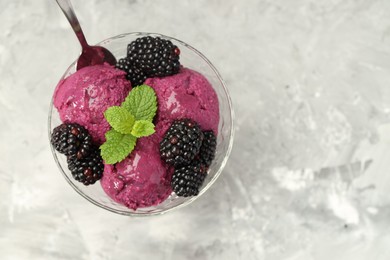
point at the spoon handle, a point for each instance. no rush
(67, 9)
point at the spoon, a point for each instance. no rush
(90, 55)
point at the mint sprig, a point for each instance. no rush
(117, 146)
(120, 119)
(131, 120)
(142, 128)
(141, 103)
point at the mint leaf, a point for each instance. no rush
(131, 120)
(141, 103)
(117, 146)
(120, 119)
(142, 128)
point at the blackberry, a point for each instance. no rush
(87, 170)
(187, 180)
(71, 139)
(133, 74)
(181, 142)
(156, 57)
(207, 150)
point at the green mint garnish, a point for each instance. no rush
(131, 120)
(117, 146)
(142, 128)
(141, 103)
(120, 119)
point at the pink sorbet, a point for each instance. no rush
(85, 95)
(141, 180)
(185, 95)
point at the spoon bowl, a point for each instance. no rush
(95, 55)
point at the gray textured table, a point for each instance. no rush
(309, 174)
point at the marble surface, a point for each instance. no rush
(308, 177)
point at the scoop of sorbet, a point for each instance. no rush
(141, 180)
(84, 96)
(187, 94)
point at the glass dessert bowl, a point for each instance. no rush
(191, 59)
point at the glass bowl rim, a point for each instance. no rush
(205, 188)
